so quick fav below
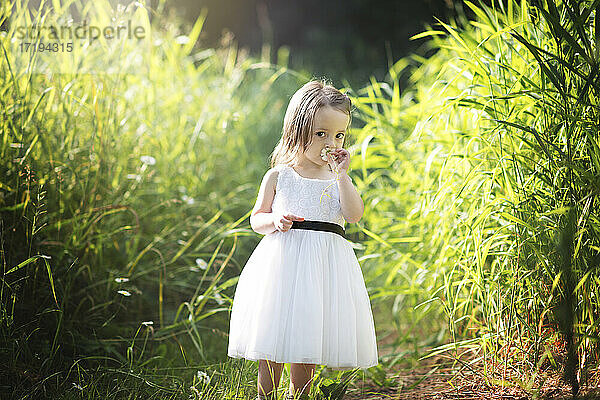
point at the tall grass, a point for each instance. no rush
(120, 236)
(124, 199)
(470, 174)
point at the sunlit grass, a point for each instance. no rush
(121, 242)
(125, 201)
(469, 177)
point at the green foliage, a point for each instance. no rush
(469, 175)
(124, 200)
(120, 237)
(333, 389)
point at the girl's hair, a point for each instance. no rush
(299, 117)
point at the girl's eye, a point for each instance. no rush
(318, 134)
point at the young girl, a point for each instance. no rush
(301, 297)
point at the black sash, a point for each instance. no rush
(319, 226)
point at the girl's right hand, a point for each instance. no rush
(283, 222)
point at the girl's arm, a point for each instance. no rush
(350, 201)
(261, 219)
(262, 223)
(352, 205)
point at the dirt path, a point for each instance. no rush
(437, 379)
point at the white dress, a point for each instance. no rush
(301, 297)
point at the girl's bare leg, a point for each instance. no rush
(269, 373)
(301, 376)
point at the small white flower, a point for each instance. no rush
(148, 160)
(219, 299)
(141, 129)
(201, 263)
(203, 377)
(121, 280)
(124, 293)
(182, 39)
(77, 386)
(134, 176)
(187, 199)
(325, 151)
(197, 393)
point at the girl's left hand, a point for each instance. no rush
(342, 160)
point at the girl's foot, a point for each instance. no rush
(271, 396)
(290, 396)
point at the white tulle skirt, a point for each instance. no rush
(301, 298)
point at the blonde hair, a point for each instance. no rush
(300, 115)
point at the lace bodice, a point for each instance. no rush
(302, 196)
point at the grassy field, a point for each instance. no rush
(127, 183)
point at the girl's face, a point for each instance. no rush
(329, 130)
